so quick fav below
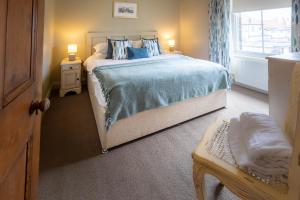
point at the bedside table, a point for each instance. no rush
(70, 76)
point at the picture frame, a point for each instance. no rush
(128, 10)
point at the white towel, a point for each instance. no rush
(260, 147)
(263, 137)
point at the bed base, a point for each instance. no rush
(151, 121)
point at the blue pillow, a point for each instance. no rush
(136, 53)
(110, 48)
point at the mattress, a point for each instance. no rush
(96, 90)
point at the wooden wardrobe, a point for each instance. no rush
(21, 47)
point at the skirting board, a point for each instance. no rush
(52, 86)
(56, 85)
(48, 94)
(250, 87)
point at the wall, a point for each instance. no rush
(246, 5)
(194, 28)
(74, 18)
(49, 23)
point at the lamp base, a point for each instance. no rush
(72, 57)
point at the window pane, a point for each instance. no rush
(277, 30)
(264, 31)
(251, 36)
(253, 17)
(250, 31)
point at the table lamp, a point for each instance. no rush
(72, 51)
(171, 45)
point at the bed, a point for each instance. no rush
(148, 121)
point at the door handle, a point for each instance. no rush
(37, 106)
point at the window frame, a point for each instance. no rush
(237, 44)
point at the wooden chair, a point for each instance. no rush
(239, 182)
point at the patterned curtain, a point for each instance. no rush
(295, 26)
(219, 19)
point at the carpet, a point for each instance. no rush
(157, 167)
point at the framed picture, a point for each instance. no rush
(125, 10)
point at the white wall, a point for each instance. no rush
(49, 24)
(194, 28)
(246, 5)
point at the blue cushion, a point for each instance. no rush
(136, 53)
(110, 48)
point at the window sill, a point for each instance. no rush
(252, 57)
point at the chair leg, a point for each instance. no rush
(198, 176)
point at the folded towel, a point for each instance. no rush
(260, 147)
(263, 137)
(236, 143)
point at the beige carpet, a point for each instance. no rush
(157, 167)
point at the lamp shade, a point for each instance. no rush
(171, 43)
(72, 48)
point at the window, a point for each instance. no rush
(262, 32)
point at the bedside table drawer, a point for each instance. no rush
(71, 67)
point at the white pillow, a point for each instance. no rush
(101, 48)
(137, 44)
(99, 56)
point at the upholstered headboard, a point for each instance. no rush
(96, 37)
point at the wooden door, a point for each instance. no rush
(21, 39)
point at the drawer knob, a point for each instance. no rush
(71, 67)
